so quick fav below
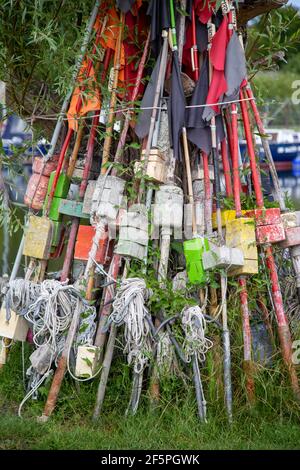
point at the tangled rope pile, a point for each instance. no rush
(49, 308)
(194, 326)
(129, 310)
(20, 295)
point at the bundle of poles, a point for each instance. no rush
(167, 146)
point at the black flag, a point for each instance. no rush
(235, 68)
(160, 19)
(198, 130)
(143, 122)
(124, 5)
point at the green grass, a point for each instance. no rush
(172, 429)
(272, 423)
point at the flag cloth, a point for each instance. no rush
(126, 5)
(136, 35)
(202, 41)
(143, 123)
(235, 68)
(110, 36)
(160, 19)
(204, 10)
(198, 130)
(176, 108)
(218, 84)
(89, 92)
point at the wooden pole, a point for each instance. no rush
(113, 98)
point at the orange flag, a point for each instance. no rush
(110, 36)
(88, 93)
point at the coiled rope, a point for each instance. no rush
(49, 308)
(194, 327)
(129, 310)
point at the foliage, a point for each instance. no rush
(273, 53)
(33, 35)
(273, 39)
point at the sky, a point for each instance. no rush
(295, 2)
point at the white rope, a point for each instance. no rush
(102, 271)
(165, 352)
(129, 310)
(223, 301)
(53, 117)
(194, 326)
(49, 307)
(32, 391)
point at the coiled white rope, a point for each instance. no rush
(49, 308)
(129, 310)
(19, 295)
(194, 326)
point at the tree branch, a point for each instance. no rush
(249, 9)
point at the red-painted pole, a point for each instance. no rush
(235, 161)
(107, 304)
(250, 145)
(266, 147)
(87, 167)
(283, 327)
(75, 222)
(226, 168)
(248, 367)
(194, 50)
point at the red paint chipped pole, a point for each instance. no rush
(247, 340)
(248, 367)
(226, 168)
(282, 322)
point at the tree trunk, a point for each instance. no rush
(249, 9)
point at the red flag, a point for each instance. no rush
(218, 84)
(219, 45)
(133, 44)
(204, 9)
